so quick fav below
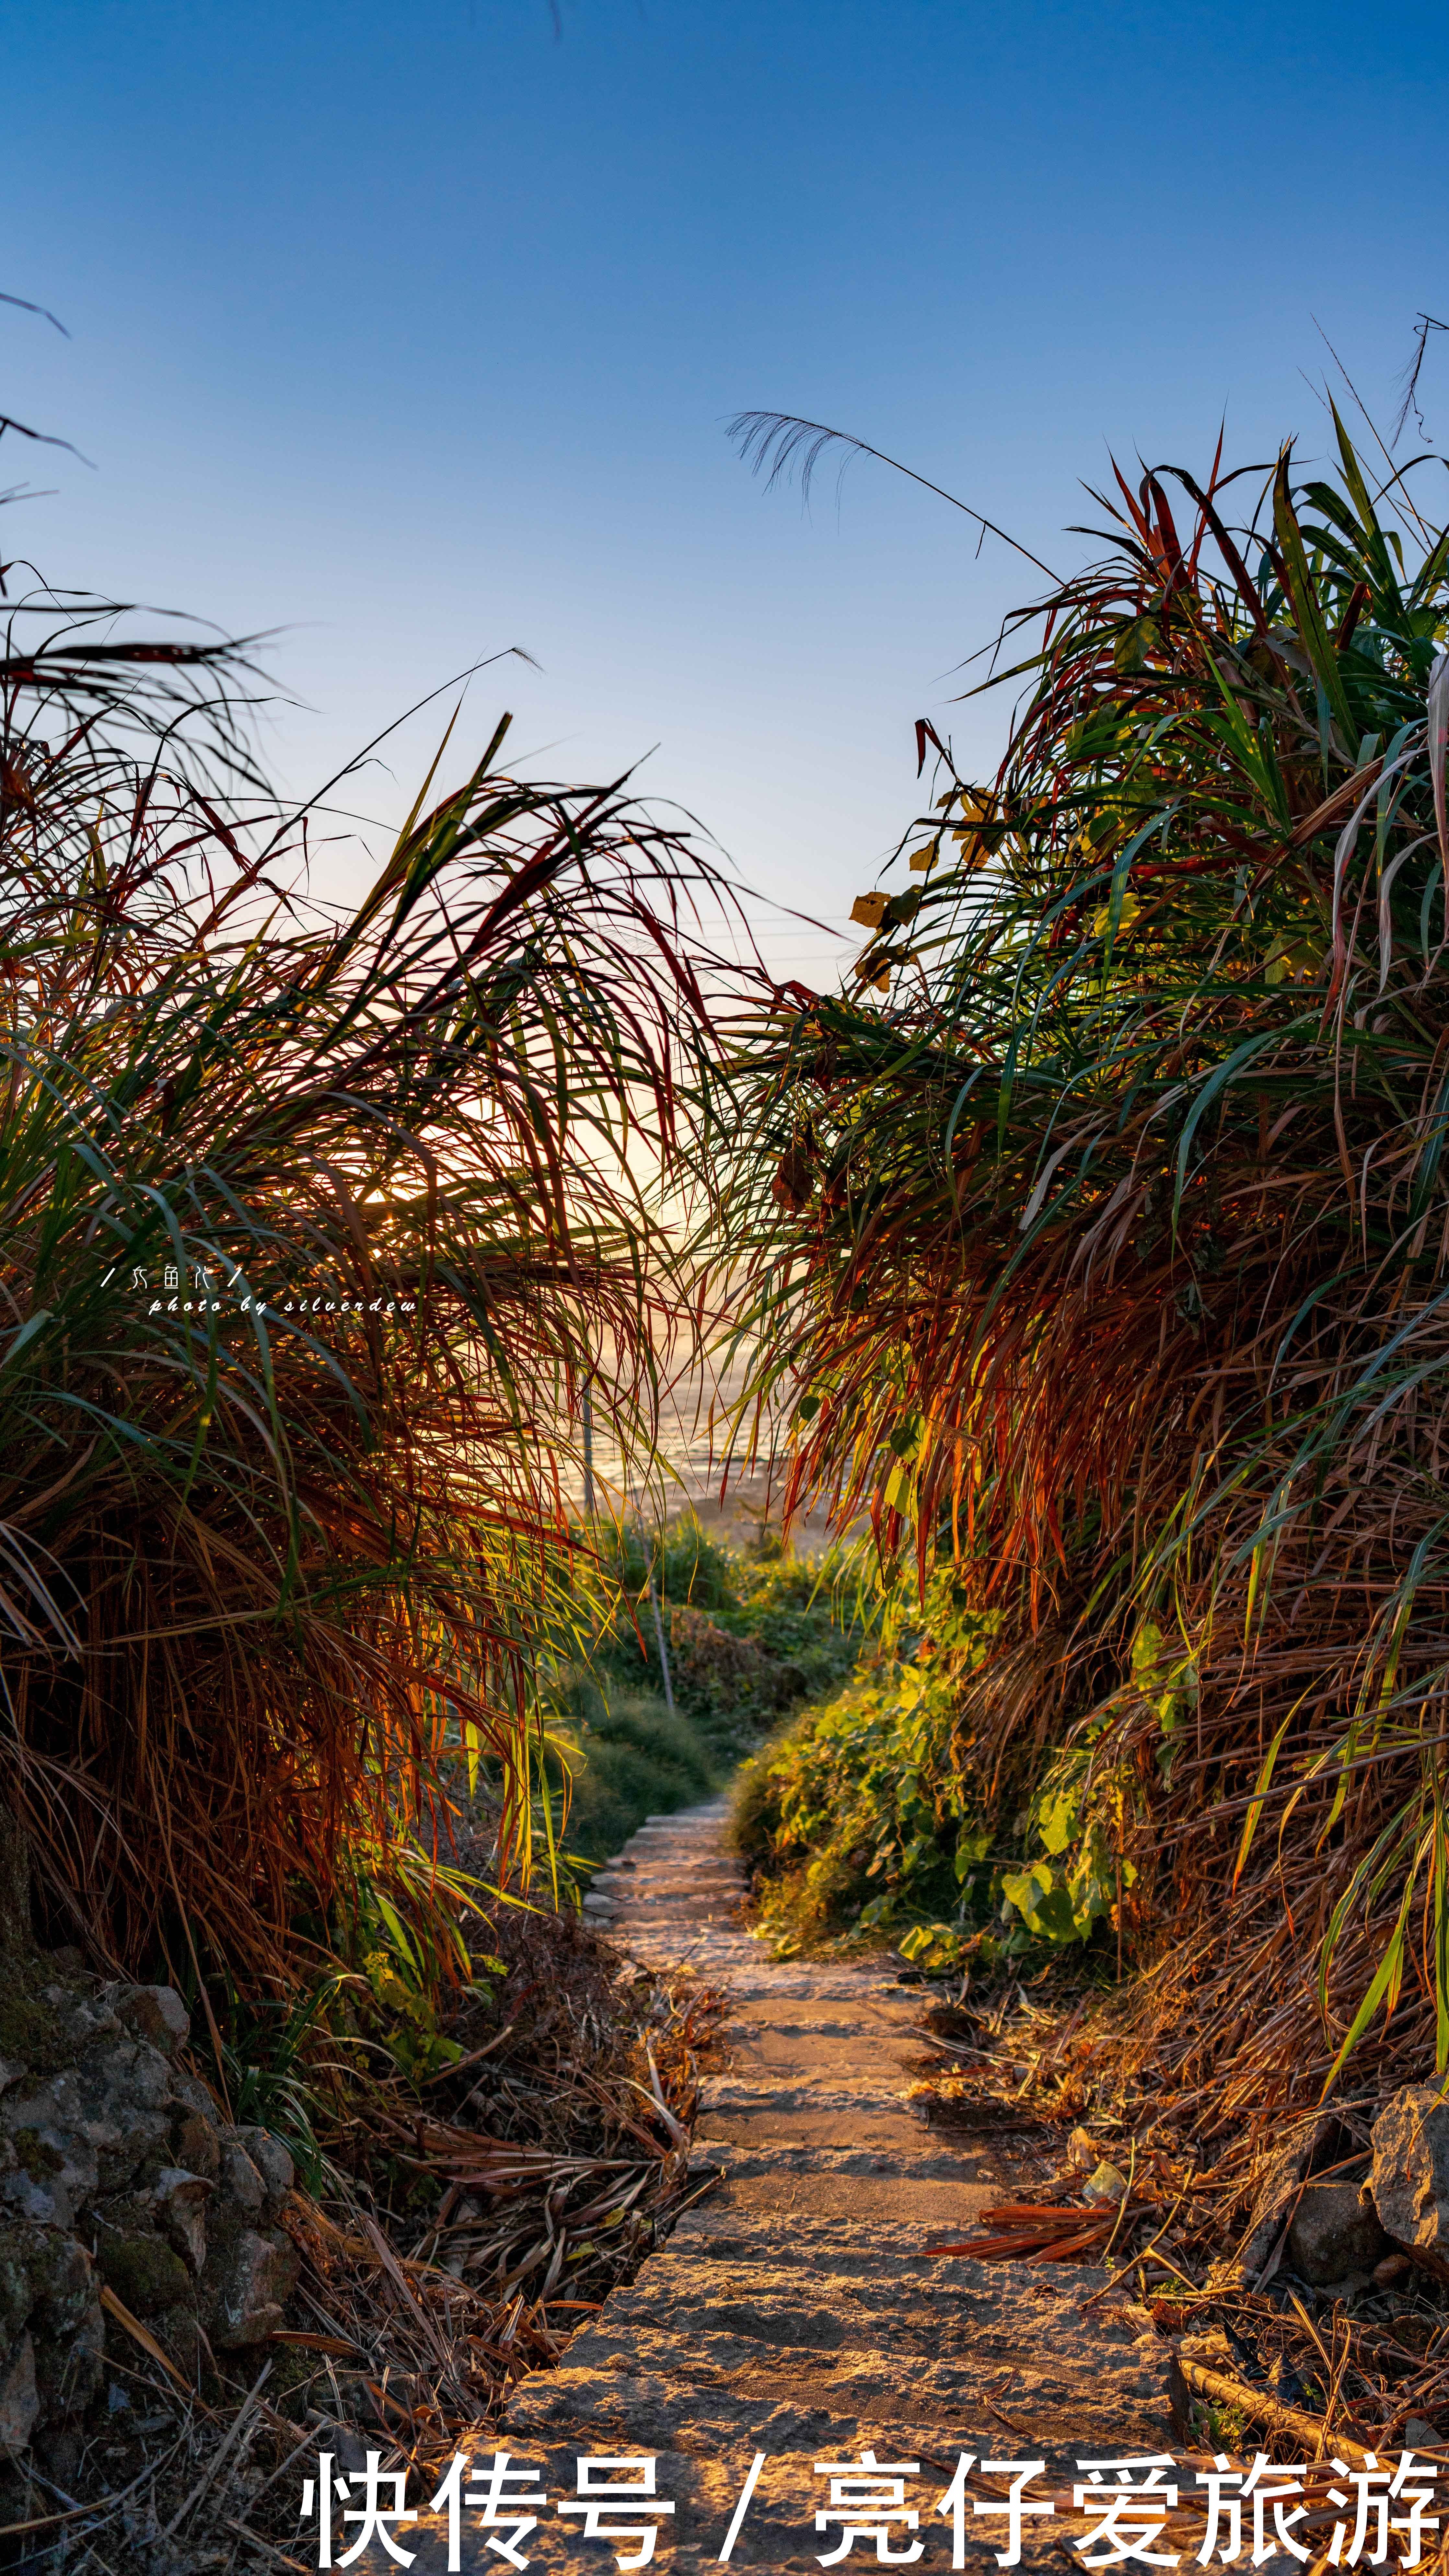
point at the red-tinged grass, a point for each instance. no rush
(1108, 1252)
(267, 1550)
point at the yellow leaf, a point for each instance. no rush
(869, 910)
(1130, 909)
(925, 858)
(1291, 960)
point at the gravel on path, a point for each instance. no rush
(792, 2311)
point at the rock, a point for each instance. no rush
(272, 2162)
(196, 2144)
(67, 2324)
(63, 2282)
(252, 2293)
(251, 2269)
(126, 2108)
(1106, 2183)
(49, 2303)
(1418, 2431)
(1393, 2269)
(17, 2287)
(240, 2180)
(179, 2329)
(53, 2167)
(156, 2013)
(75, 2136)
(105, 2137)
(1335, 2235)
(1274, 2193)
(19, 2397)
(44, 2021)
(180, 2199)
(70, 2366)
(102, 2119)
(144, 2273)
(1410, 2177)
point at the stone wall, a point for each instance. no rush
(117, 2171)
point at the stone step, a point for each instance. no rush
(795, 2311)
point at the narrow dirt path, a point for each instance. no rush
(793, 2311)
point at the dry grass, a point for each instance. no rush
(1065, 2054)
(1108, 1255)
(312, 1227)
(455, 2248)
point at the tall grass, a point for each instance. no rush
(311, 1228)
(1107, 1249)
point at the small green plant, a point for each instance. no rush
(268, 2069)
(411, 1969)
(1079, 1820)
(860, 1817)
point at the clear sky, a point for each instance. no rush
(413, 332)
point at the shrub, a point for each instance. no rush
(1105, 1256)
(310, 1227)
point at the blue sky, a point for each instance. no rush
(413, 333)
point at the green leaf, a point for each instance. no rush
(1385, 1983)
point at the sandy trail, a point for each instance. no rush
(793, 2311)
